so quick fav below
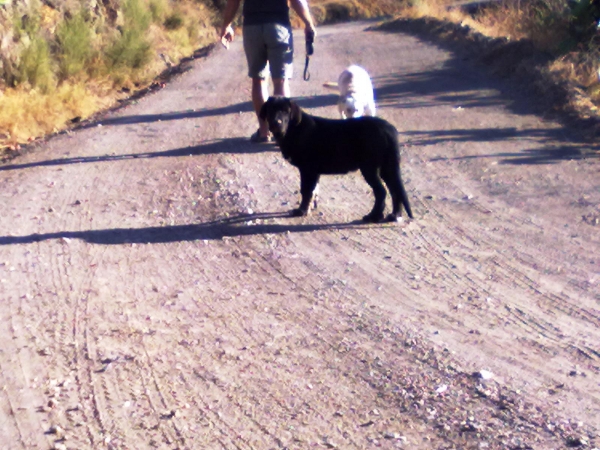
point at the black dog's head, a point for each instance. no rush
(279, 112)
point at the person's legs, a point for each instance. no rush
(280, 49)
(281, 86)
(269, 49)
(258, 70)
(260, 94)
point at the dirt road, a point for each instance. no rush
(155, 294)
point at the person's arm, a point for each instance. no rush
(227, 32)
(300, 7)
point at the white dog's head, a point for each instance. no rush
(353, 108)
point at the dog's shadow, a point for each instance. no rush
(233, 226)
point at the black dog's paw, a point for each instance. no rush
(298, 212)
(393, 218)
(373, 218)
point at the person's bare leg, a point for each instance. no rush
(281, 86)
(260, 94)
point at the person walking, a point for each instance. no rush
(268, 45)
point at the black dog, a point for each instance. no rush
(318, 146)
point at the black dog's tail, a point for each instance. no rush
(405, 199)
(397, 179)
(396, 186)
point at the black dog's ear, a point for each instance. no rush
(262, 114)
(296, 112)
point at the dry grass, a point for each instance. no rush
(48, 91)
(28, 113)
(331, 11)
(545, 23)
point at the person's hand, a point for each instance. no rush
(310, 30)
(309, 34)
(227, 35)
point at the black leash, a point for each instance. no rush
(306, 72)
(310, 39)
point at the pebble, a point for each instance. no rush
(56, 430)
(484, 375)
(576, 441)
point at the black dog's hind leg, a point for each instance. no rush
(308, 182)
(393, 180)
(371, 176)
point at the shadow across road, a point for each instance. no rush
(548, 153)
(237, 108)
(240, 225)
(515, 68)
(445, 86)
(176, 115)
(471, 93)
(218, 146)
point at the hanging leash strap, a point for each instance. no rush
(310, 38)
(306, 72)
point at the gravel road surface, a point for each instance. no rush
(155, 293)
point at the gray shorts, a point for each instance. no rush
(269, 47)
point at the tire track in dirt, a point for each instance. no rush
(507, 269)
(514, 266)
(355, 363)
(507, 266)
(68, 346)
(88, 404)
(75, 407)
(44, 335)
(12, 431)
(15, 377)
(130, 392)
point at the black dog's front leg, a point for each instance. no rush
(308, 182)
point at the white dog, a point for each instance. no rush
(356, 93)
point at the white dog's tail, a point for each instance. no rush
(331, 84)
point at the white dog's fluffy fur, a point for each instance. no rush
(356, 93)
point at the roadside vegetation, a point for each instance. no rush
(567, 31)
(60, 62)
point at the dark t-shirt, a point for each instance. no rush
(258, 12)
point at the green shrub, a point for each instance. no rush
(158, 10)
(35, 64)
(27, 22)
(74, 38)
(174, 21)
(9, 72)
(193, 31)
(30, 59)
(136, 15)
(131, 49)
(584, 18)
